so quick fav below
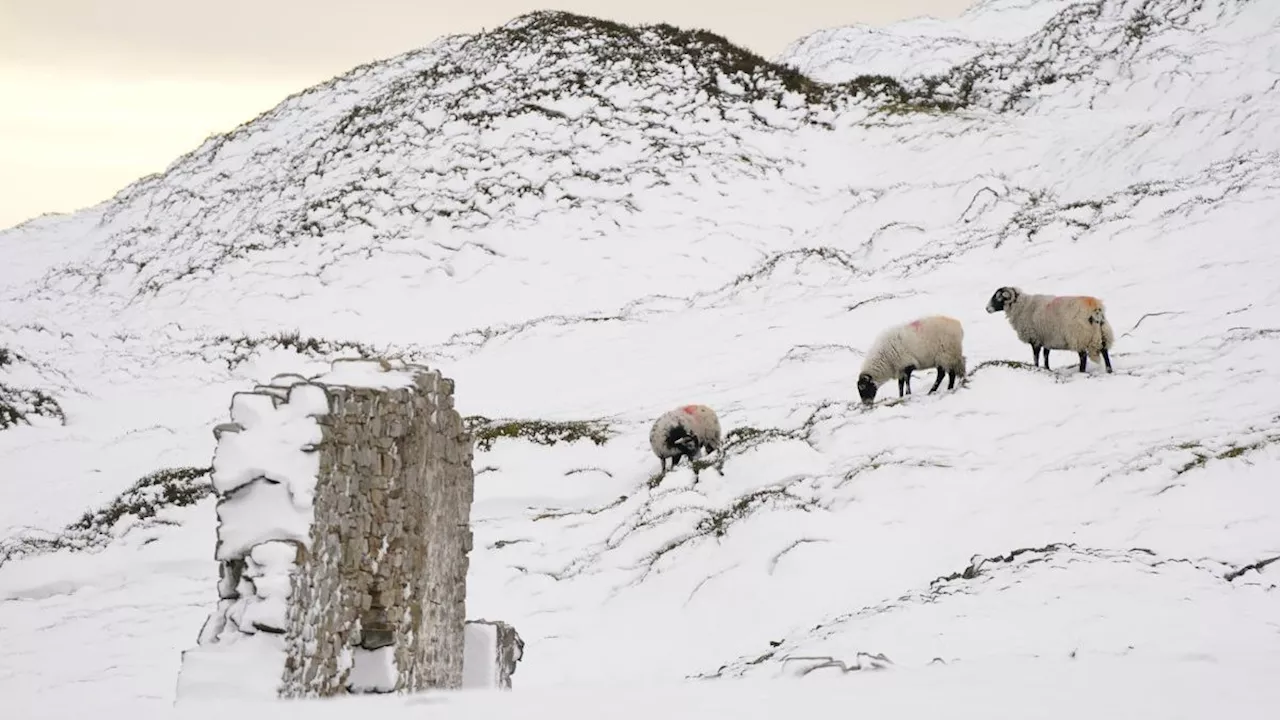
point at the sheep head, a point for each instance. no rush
(866, 388)
(1003, 298)
(684, 441)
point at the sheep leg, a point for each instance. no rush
(1106, 357)
(951, 379)
(675, 461)
(1083, 359)
(1035, 354)
(907, 376)
(902, 384)
(938, 381)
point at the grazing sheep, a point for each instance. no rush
(935, 341)
(685, 432)
(1057, 322)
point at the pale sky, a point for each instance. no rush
(97, 93)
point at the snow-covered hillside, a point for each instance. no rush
(922, 46)
(587, 223)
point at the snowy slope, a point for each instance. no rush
(577, 220)
(920, 46)
(1107, 687)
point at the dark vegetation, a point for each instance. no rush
(19, 404)
(240, 349)
(160, 490)
(541, 432)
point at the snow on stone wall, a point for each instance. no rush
(492, 649)
(344, 504)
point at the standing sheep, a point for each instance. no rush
(1057, 322)
(935, 341)
(685, 432)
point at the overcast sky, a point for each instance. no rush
(97, 93)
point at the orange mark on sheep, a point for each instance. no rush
(1088, 302)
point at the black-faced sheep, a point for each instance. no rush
(685, 432)
(935, 341)
(1057, 322)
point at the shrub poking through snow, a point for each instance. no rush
(935, 341)
(18, 405)
(1057, 322)
(541, 432)
(168, 488)
(138, 506)
(240, 349)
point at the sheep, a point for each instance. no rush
(685, 432)
(935, 341)
(1057, 322)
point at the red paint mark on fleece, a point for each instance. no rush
(691, 409)
(915, 325)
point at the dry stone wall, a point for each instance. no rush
(391, 540)
(344, 503)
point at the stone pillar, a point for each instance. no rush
(344, 509)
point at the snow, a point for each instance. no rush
(373, 671)
(245, 667)
(265, 468)
(271, 444)
(1044, 543)
(264, 589)
(480, 656)
(261, 512)
(1046, 688)
(367, 374)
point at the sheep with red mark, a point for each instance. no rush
(1057, 322)
(935, 341)
(685, 431)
